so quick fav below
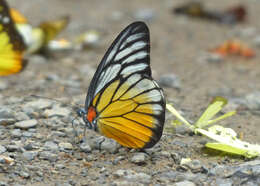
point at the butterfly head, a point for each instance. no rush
(88, 117)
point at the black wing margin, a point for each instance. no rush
(128, 54)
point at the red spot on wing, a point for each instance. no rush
(91, 114)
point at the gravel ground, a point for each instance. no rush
(37, 145)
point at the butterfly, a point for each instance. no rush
(123, 101)
(12, 46)
(37, 38)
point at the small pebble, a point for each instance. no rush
(27, 155)
(13, 148)
(48, 156)
(170, 80)
(224, 182)
(65, 146)
(214, 58)
(7, 121)
(117, 159)
(3, 85)
(6, 113)
(2, 149)
(16, 133)
(194, 165)
(253, 100)
(138, 177)
(119, 173)
(85, 147)
(24, 174)
(185, 183)
(110, 145)
(51, 146)
(27, 134)
(56, 111)
(139, 158)
(21, 116)
(145, 14)
(26, 124)
(39, 104)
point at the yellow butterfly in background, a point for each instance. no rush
(123, 101)
(12, 46)
(37, 38)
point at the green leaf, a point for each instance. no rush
(232, 150)
(214, 107)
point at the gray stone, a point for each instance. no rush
(125, 183)
(214, 58)
(2, 183)
(3, 85)
(185, 183)
(139, 177)
(58, 133)
(53, 77)
(110, 145)
(29, 155)
(38, 59)
(182, 129)
(221, 171)
(223, 91)
(6, 113)
(51, 146)
(139, 158)
(21, 116)
(165, 154)
(27, 134)
(45, 155)
(56, 111)
(170, 80)
(2, 149)
(172, 176)
(39, 104)
(16, 133)
(145, 14)
(224, 182)
(120, 173)
(26, 124)
(30, 146)
(24, 174)
(65, 146)
(117, 159)
(13, 148)
(85, 147)
(194, 165)
(7, 121)
(84, 172)
(253, 100)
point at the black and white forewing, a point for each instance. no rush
(128, 54)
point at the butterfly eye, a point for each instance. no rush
(81, 112)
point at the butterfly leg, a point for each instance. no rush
(99, 143)
(77, 136)
(84, 134)
(74, 129)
